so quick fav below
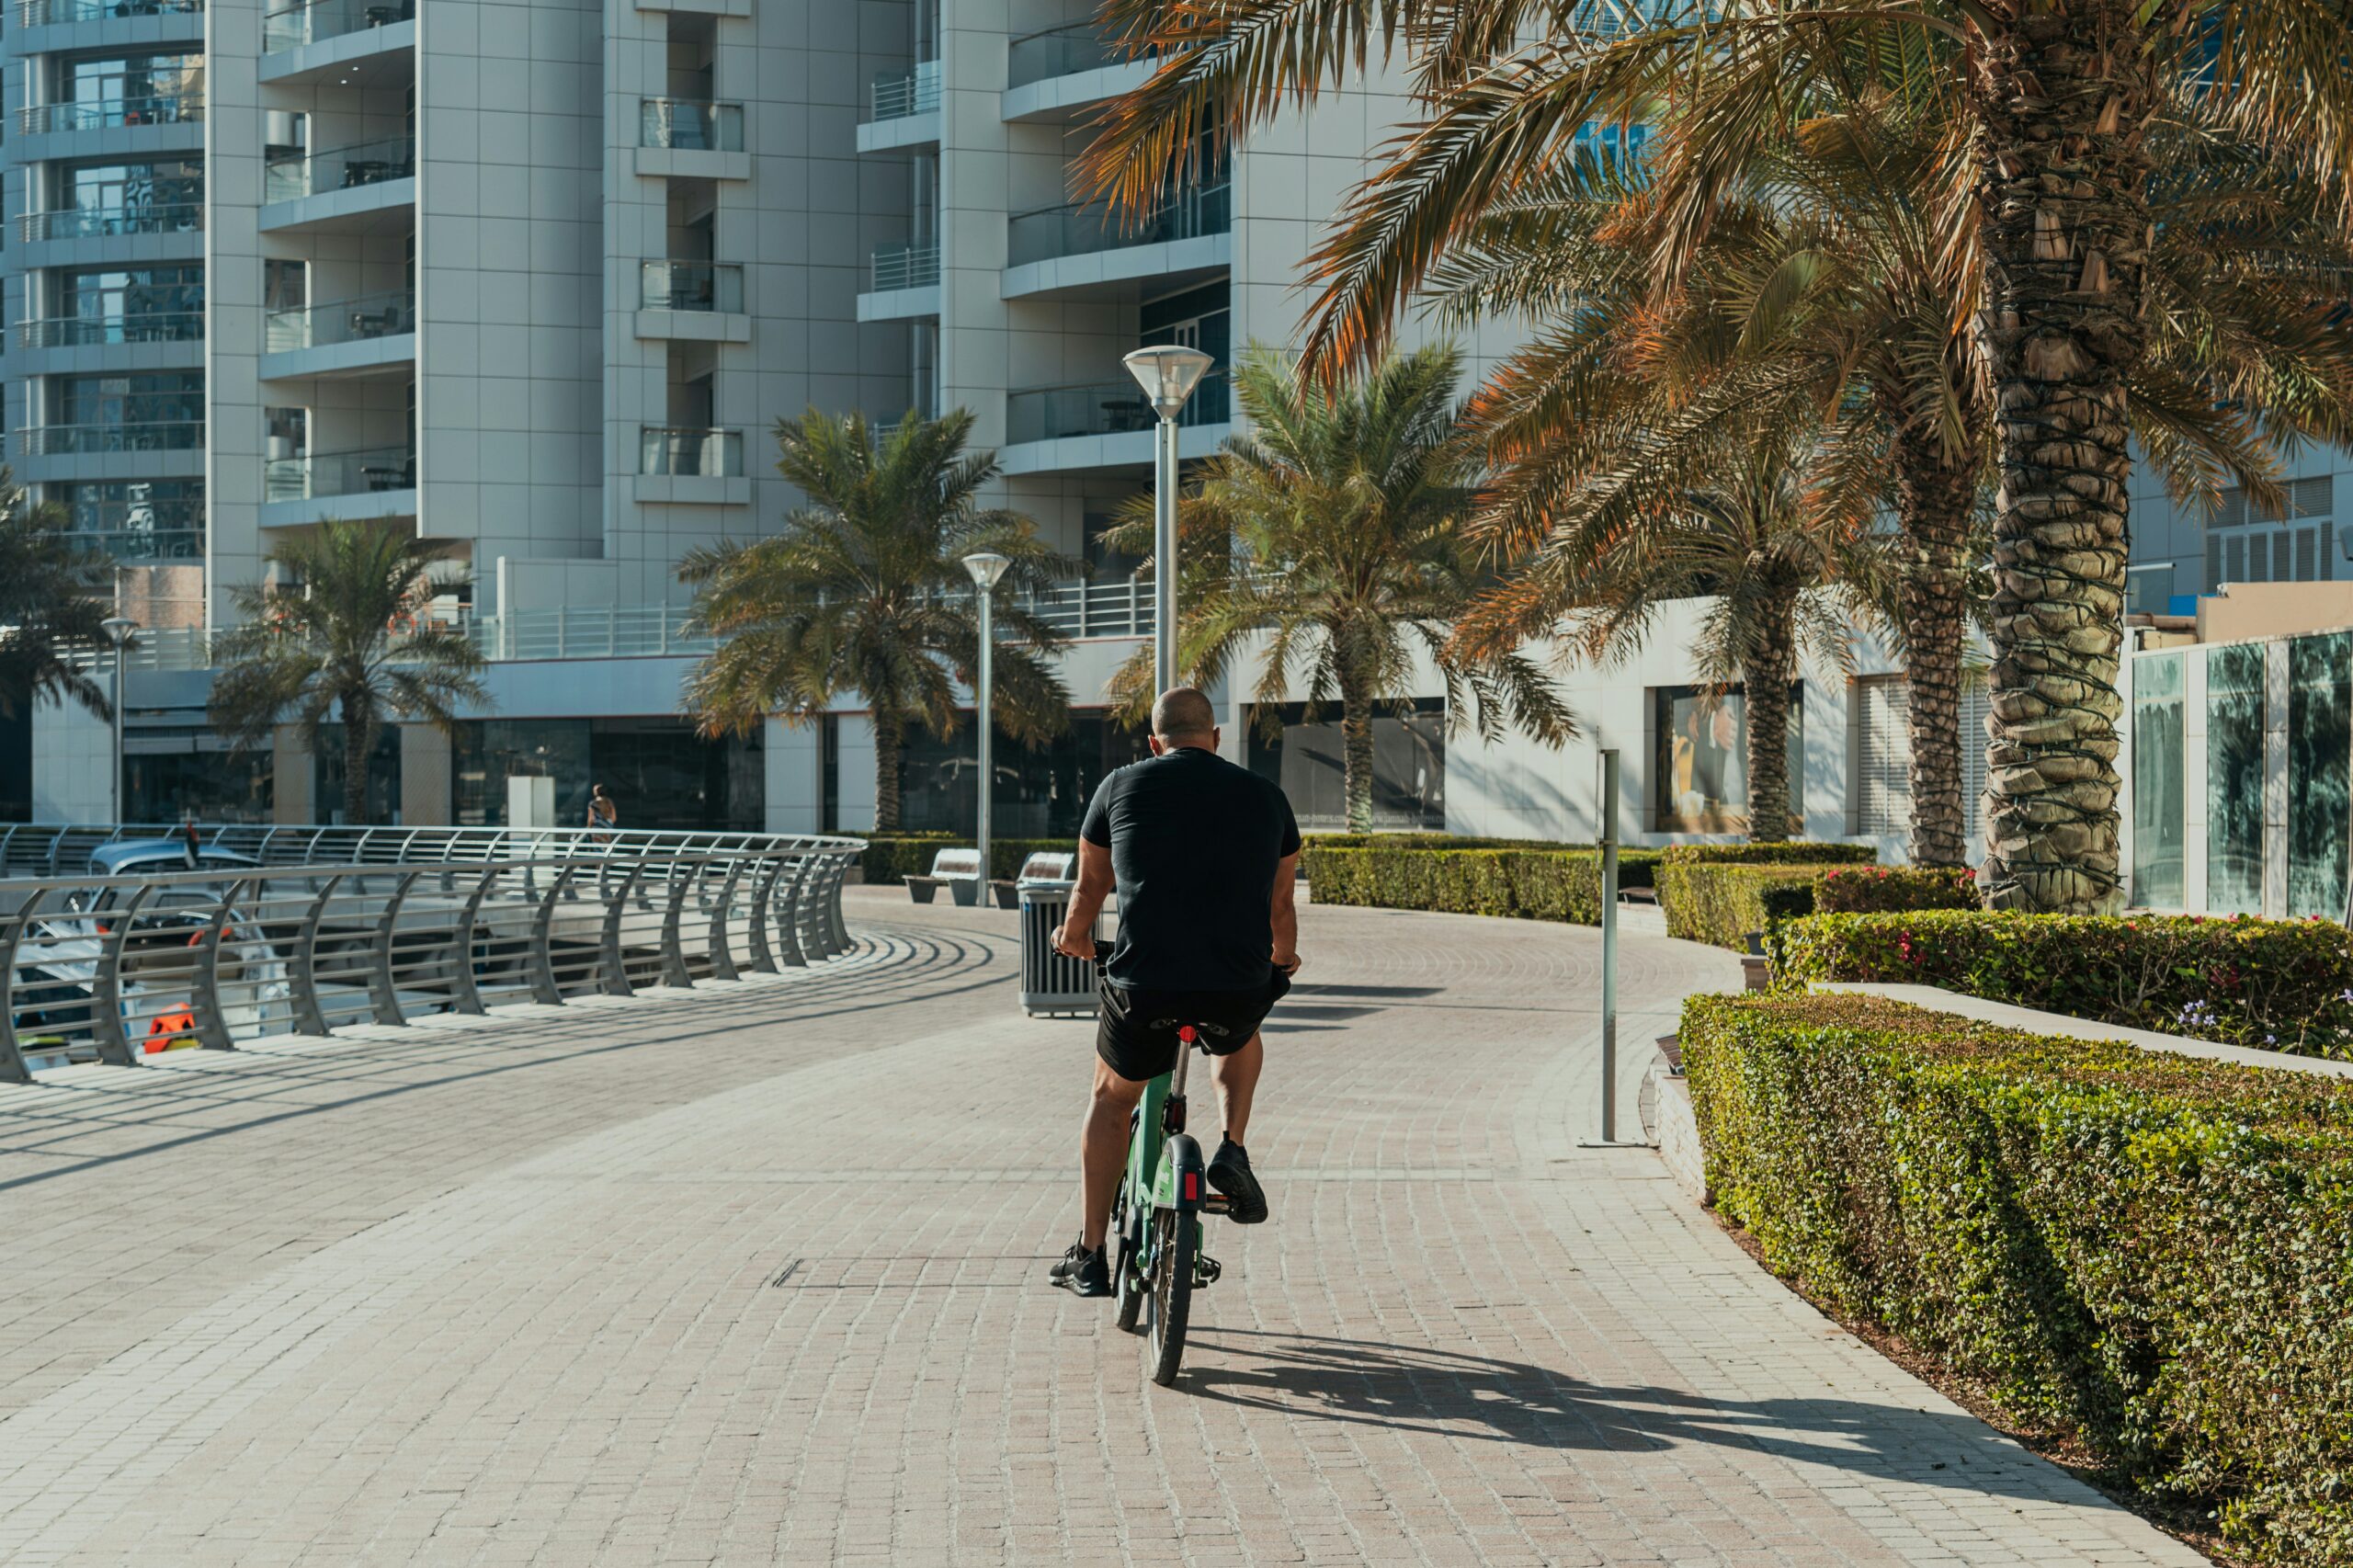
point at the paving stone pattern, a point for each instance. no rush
(755, 1276)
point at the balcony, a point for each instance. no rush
(1106, 425)
(692, 467)
(1050, 74)
(111, 222)
(903, 110)
(347, 337)
(373, 482)
(1062, 250)
(104, 114)
(697, 300)
(105, 332)
(109, 440)
(58, 13)
(291, 27)
(367, 187)
(904, 281)
(684, 138)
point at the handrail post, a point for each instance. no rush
(383, 991)
(722, 958)
(106, 984)
(466, 990)
(833, 902)
(545, 989)
(787, 926)
(614, 980)
(763, 890)
(310, 1015)
(12, 1057)
(212, 1019)
(673, 952)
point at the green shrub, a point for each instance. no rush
(1549, 884)
(1872, 889)
(1427, 841)
(890, 861)
(2287, 984)
(1721, 904)
(2156, 1251)
(1796, 852)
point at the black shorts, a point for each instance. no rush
(1135, 1032)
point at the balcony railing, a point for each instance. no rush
(356, 320)
(899, 94)
(371, 471)
(685, 125)
(162, 108)
(685, 453)
(1105, 408)
(291, 173)
(80, 440)
(1085, 228)
(103, 222)
(291, 26)
(906, 266)
(1059, 52)
(690, 286)
(45, 12)
(87, 332)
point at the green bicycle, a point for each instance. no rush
(1155, 1232)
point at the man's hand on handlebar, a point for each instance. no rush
(1073, 941)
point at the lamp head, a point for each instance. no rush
(118, 628)
(986, 566)
(1168, 374)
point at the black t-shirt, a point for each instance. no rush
(1194, 842)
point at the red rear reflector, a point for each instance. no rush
(1192, 1187)
(1185, 1033)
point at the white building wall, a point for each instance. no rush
(72, 759)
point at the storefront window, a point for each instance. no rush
(1701, 763)
(171, 773)
(1040, 792)
(2320, 731)
(1408, 768)
(2235, 779)
(659, 772)
(384, 778)
(2157, 815)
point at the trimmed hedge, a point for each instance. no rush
(1720, 904)
(1427, 841)
(888, 862)
(1520, 885)
(1874, 890)
(1796, 852)
(2155, 1252)
(2285, 984)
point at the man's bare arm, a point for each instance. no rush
(1284, 913)
(1094, 882)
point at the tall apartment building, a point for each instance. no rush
(535, 280)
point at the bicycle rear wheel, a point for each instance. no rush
(1179, 1237)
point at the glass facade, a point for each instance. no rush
(2320, 743)
(383, 777)
(171, 773)
(1700, 766)
(2233, 778)
(154, 397)
(2158, 817)
(658, 771)
(137, 519)
(1040, 792)
(1408, 768)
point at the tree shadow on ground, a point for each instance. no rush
(1454, 1395)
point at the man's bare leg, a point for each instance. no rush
(1103, 1151)
(1236, 1076)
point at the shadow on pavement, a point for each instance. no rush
(1447, 1395)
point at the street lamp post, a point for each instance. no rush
(986, 567)
(1168, 375)
(118, 628)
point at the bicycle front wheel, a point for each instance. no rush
(1179, 1237)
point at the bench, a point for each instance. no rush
(958, 870)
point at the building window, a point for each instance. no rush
(2319, 730)
(2294, 542)
(2235, 741)
(1041, 791)
(1408, 766)
(1882, 777)
(2157, 802)
(137, 519)
(175, 771)
(659, 772)
(1701, 762)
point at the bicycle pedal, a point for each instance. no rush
(1206, 1270)
(1217, 1203)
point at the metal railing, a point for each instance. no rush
(84, 332)
(1105, 408)
(1088, 227)
(298, 930)
(713, 454)
(690, 286)
(291, 26)
(907, 266)
(370, 471)
(103, 222)
(162, 108)
(356, 320)
(289, 173)
(685, 125)
(898, 94)
(67, 440)
(43, 13)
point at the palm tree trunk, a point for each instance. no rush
(890, 739)
(1355, 754)
(2063, 93)
(358, 742)
(1765, 676)
(1934, 497)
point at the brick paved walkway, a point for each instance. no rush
(756, 1278)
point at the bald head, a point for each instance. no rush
(1183, 716)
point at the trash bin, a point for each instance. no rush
(1052, 984)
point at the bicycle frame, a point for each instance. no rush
(1152, 1181)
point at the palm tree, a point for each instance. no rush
(343, 633)
(1334, 530)
(1824, 292)
(2053, 111)
(865, 591)
(52, 602)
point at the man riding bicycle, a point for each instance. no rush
(1205, 856)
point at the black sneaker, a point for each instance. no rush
(1081, 1272)
(1245, 1201)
